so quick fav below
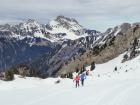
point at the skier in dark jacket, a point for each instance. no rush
(82, 78)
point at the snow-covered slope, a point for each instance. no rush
(111, 88)
(115, 68)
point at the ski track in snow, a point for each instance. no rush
(45, 97)
(116, 92)
(101, 96)
(119, 97)
(121, 89)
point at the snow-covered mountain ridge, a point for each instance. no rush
(59, 29)
(46, 40)
(62, 45)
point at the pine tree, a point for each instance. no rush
(135, 28)
(135, 44)
(92, 66)
(133, 52)
(125, 57)
(9, 75)
(77, 70)
(84, 68)
(96, 50)
(70, 75)
(115, 69)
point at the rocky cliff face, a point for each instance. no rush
(68, 51)
(114, 42)
(43, 46)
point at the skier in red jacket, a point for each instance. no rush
(77, 79)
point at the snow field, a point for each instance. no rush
(111, 88)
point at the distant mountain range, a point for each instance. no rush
(50, 48)
(57, 30)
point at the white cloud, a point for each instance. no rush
(10, 21)
(100, 13)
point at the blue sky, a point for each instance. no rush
(94, 14)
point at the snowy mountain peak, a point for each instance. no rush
(30, 23)
(120, 29)
(66, 19)
(31, 20)
(64, 22)
(57, 30)
(63, 28)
